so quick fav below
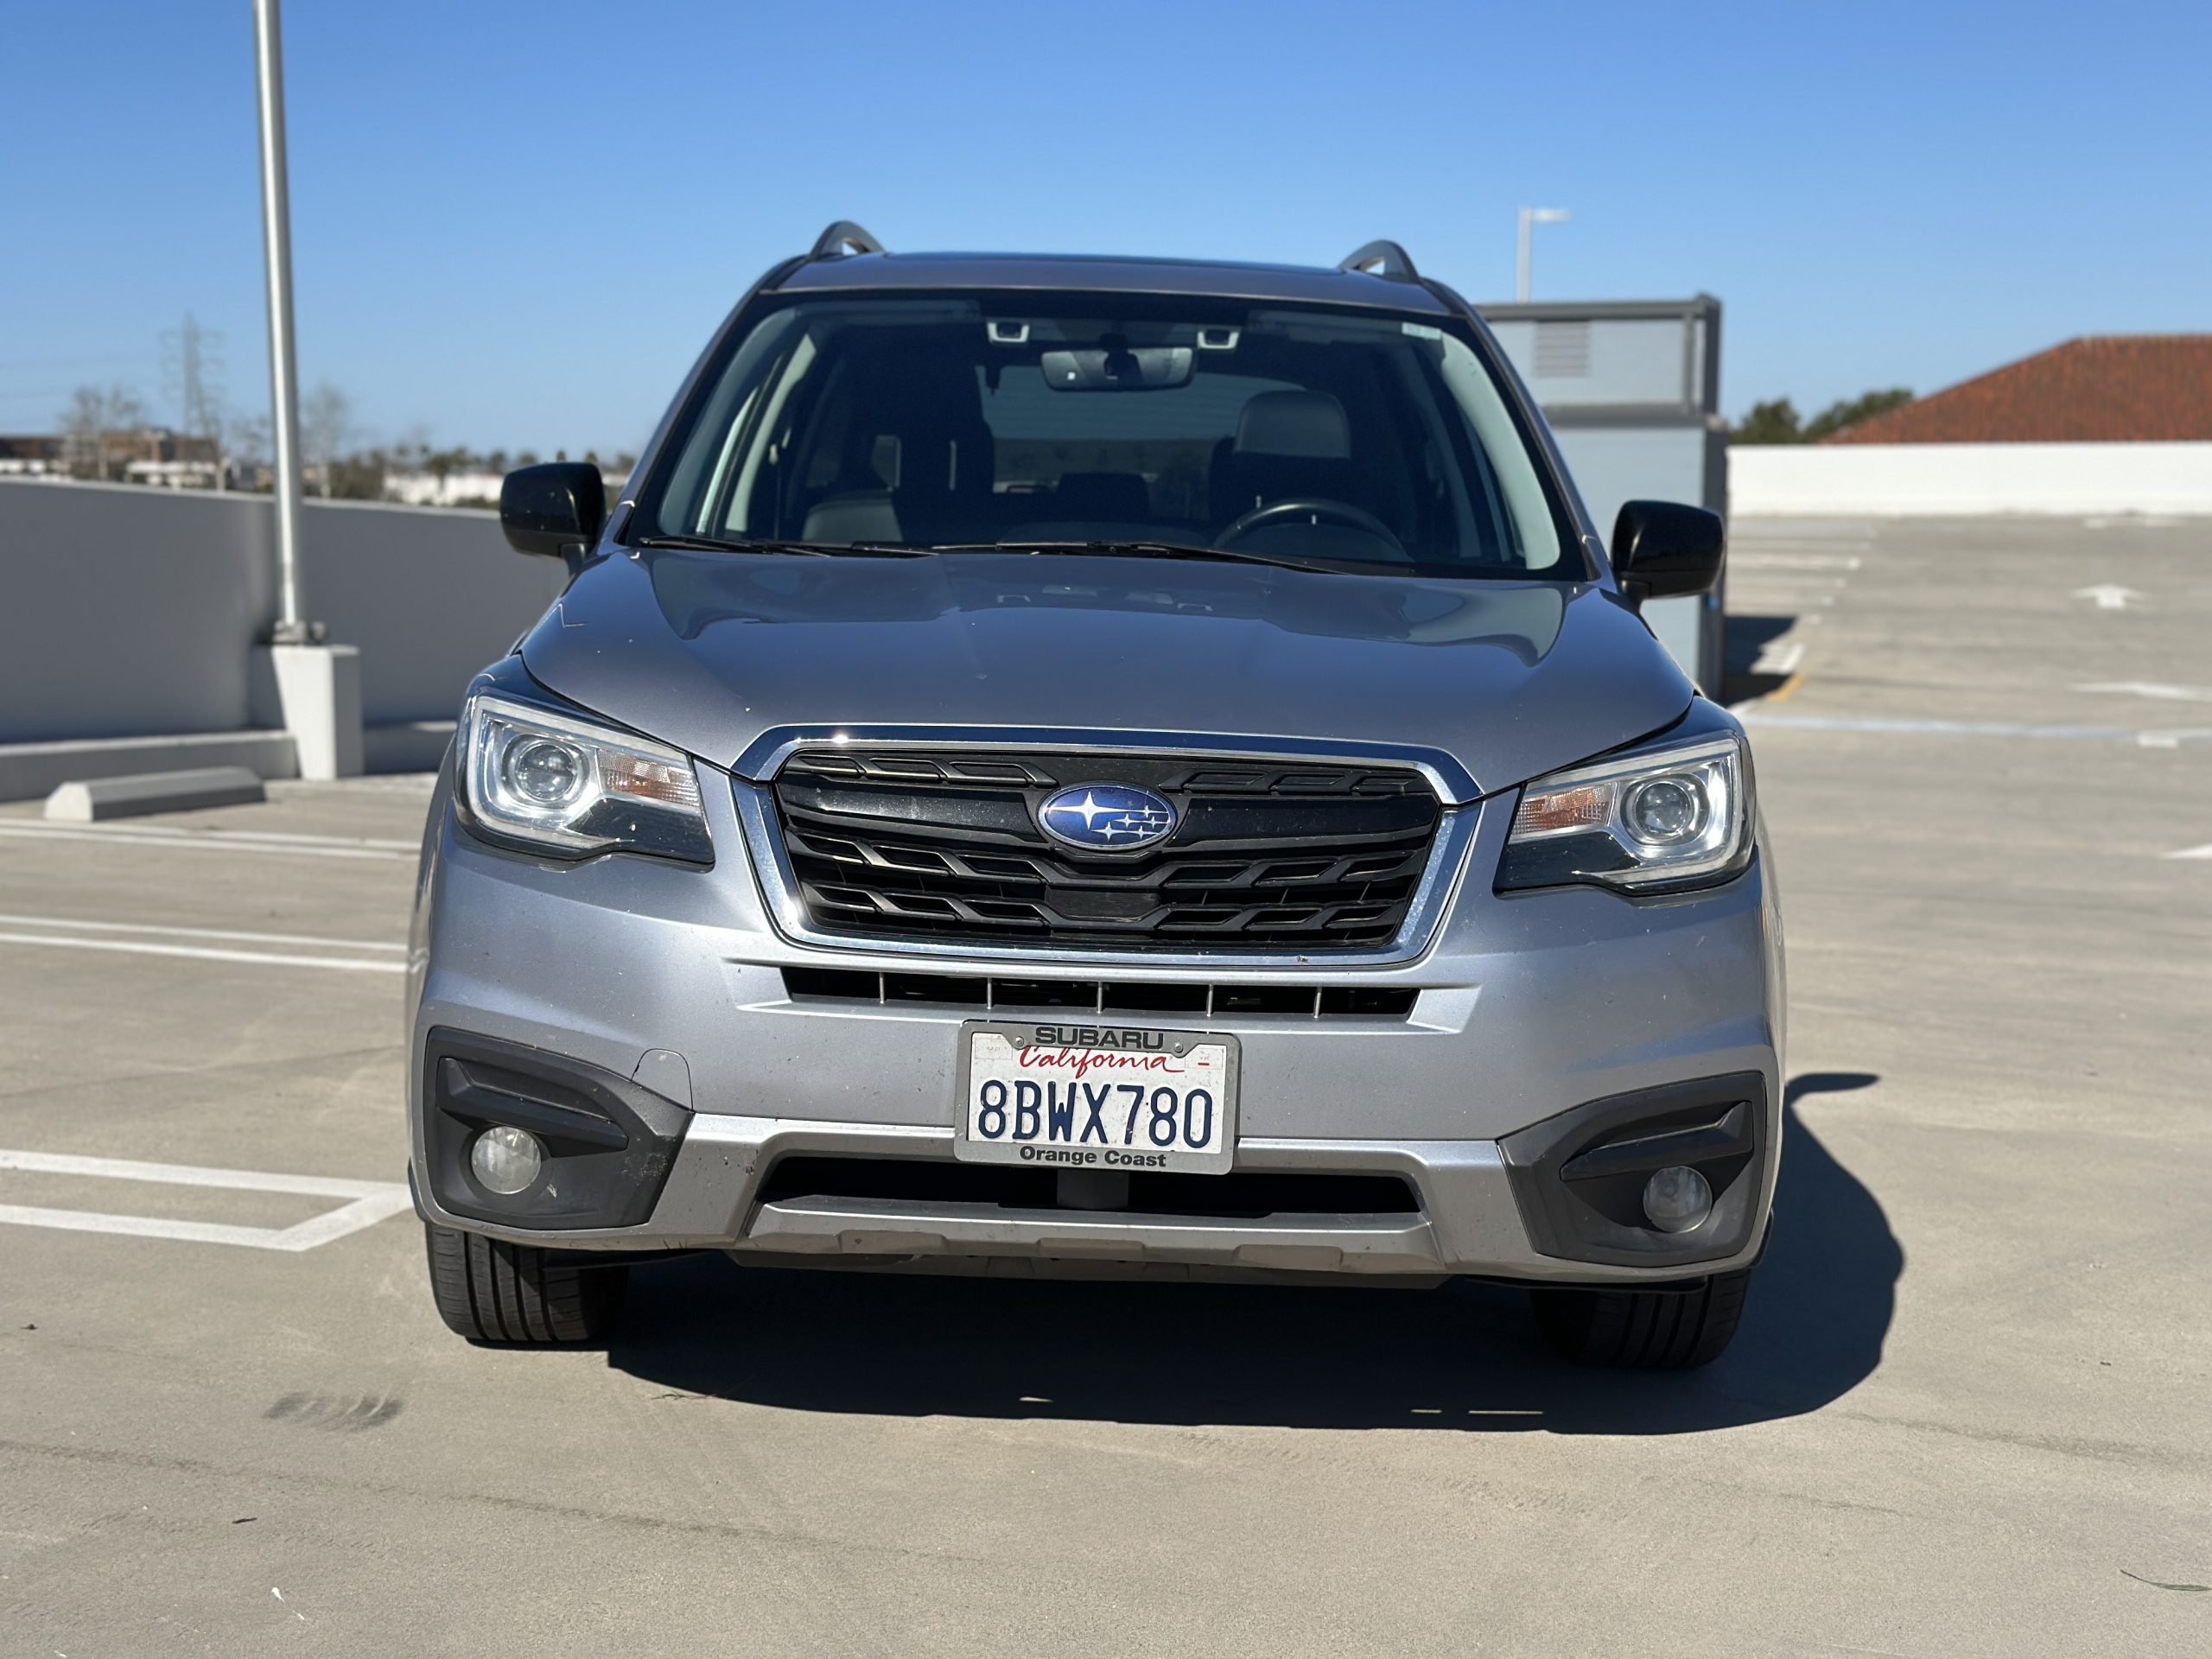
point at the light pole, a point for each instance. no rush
(1532, 216)
(291, 628)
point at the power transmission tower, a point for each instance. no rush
(191, 373)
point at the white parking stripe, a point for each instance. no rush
(2205, 851)
(238, 1180)
(196, 932)
(177, 831)
(1753, 715)
(2156, 689)
(206, 841)
(370, 1202)
(1763, 560)
(206, 953)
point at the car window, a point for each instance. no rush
(1303, 432)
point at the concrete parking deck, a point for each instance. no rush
(1968, 1413)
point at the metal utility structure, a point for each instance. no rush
(1531, 217)
(191, 373)
(291, 626)
(1631, 389)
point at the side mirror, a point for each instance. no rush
(555, 510)
(1663, 550)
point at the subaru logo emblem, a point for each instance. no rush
(1106, 818)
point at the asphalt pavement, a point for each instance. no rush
(1969, 1413)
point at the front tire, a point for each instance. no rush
(1644, 1330)
(517, 1295)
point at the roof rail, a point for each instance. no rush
(841, 236)
(1397, 266)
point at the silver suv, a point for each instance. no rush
(1099, 766)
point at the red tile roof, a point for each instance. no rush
(2100, 388)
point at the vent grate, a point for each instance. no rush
(994, 994)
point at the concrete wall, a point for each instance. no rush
(1954, 479)
(429, 594)
(1614, 464)
(128, 612)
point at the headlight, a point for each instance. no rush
(561, 786)
(1659, 818)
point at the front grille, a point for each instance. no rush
(997, 992)
(943, 846)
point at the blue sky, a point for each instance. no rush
(514, 225)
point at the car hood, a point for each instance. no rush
(710, 651)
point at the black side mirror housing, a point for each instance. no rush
(555, 510)
(1663, 550)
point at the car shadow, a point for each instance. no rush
(1467, 1357)
(1745, 640)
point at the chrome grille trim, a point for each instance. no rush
(1453, 784)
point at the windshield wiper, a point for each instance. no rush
(1132, 550)
(809, 550)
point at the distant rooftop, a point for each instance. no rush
(2099, 389)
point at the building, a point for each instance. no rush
(426, 489)
(2098, 389)
(34, 457)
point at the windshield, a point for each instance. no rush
(1339, 439)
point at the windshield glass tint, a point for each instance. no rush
(1305, 434)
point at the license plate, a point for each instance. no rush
(1085, 1096)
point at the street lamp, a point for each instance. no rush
(1530, 216)
(277, 248)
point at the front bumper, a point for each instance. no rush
(1530, 1008)
(1469, 1223)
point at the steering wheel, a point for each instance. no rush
(1308, 507)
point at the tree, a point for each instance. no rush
(1772, 422)
(247, 445)
(1776, 421)
(326, 424)
(92, 418)
(80, 425)
(1841, 414)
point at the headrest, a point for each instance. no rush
(1116, 497)
(1307, 425)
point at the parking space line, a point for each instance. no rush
(206, 953)
(2205, 851)
(2152, 740)
(235, 1180)
(369, 1202)
(2152, 689)
(208, 841)
(73, 925)
(174, 831)
(1762, 559)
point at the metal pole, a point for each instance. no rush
(283, 375)
(1532, 216)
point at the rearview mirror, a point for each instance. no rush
(1117, 368)
(555, 510)
(1663, 550)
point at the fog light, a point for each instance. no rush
(1676, 1198)
(507, 1159)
